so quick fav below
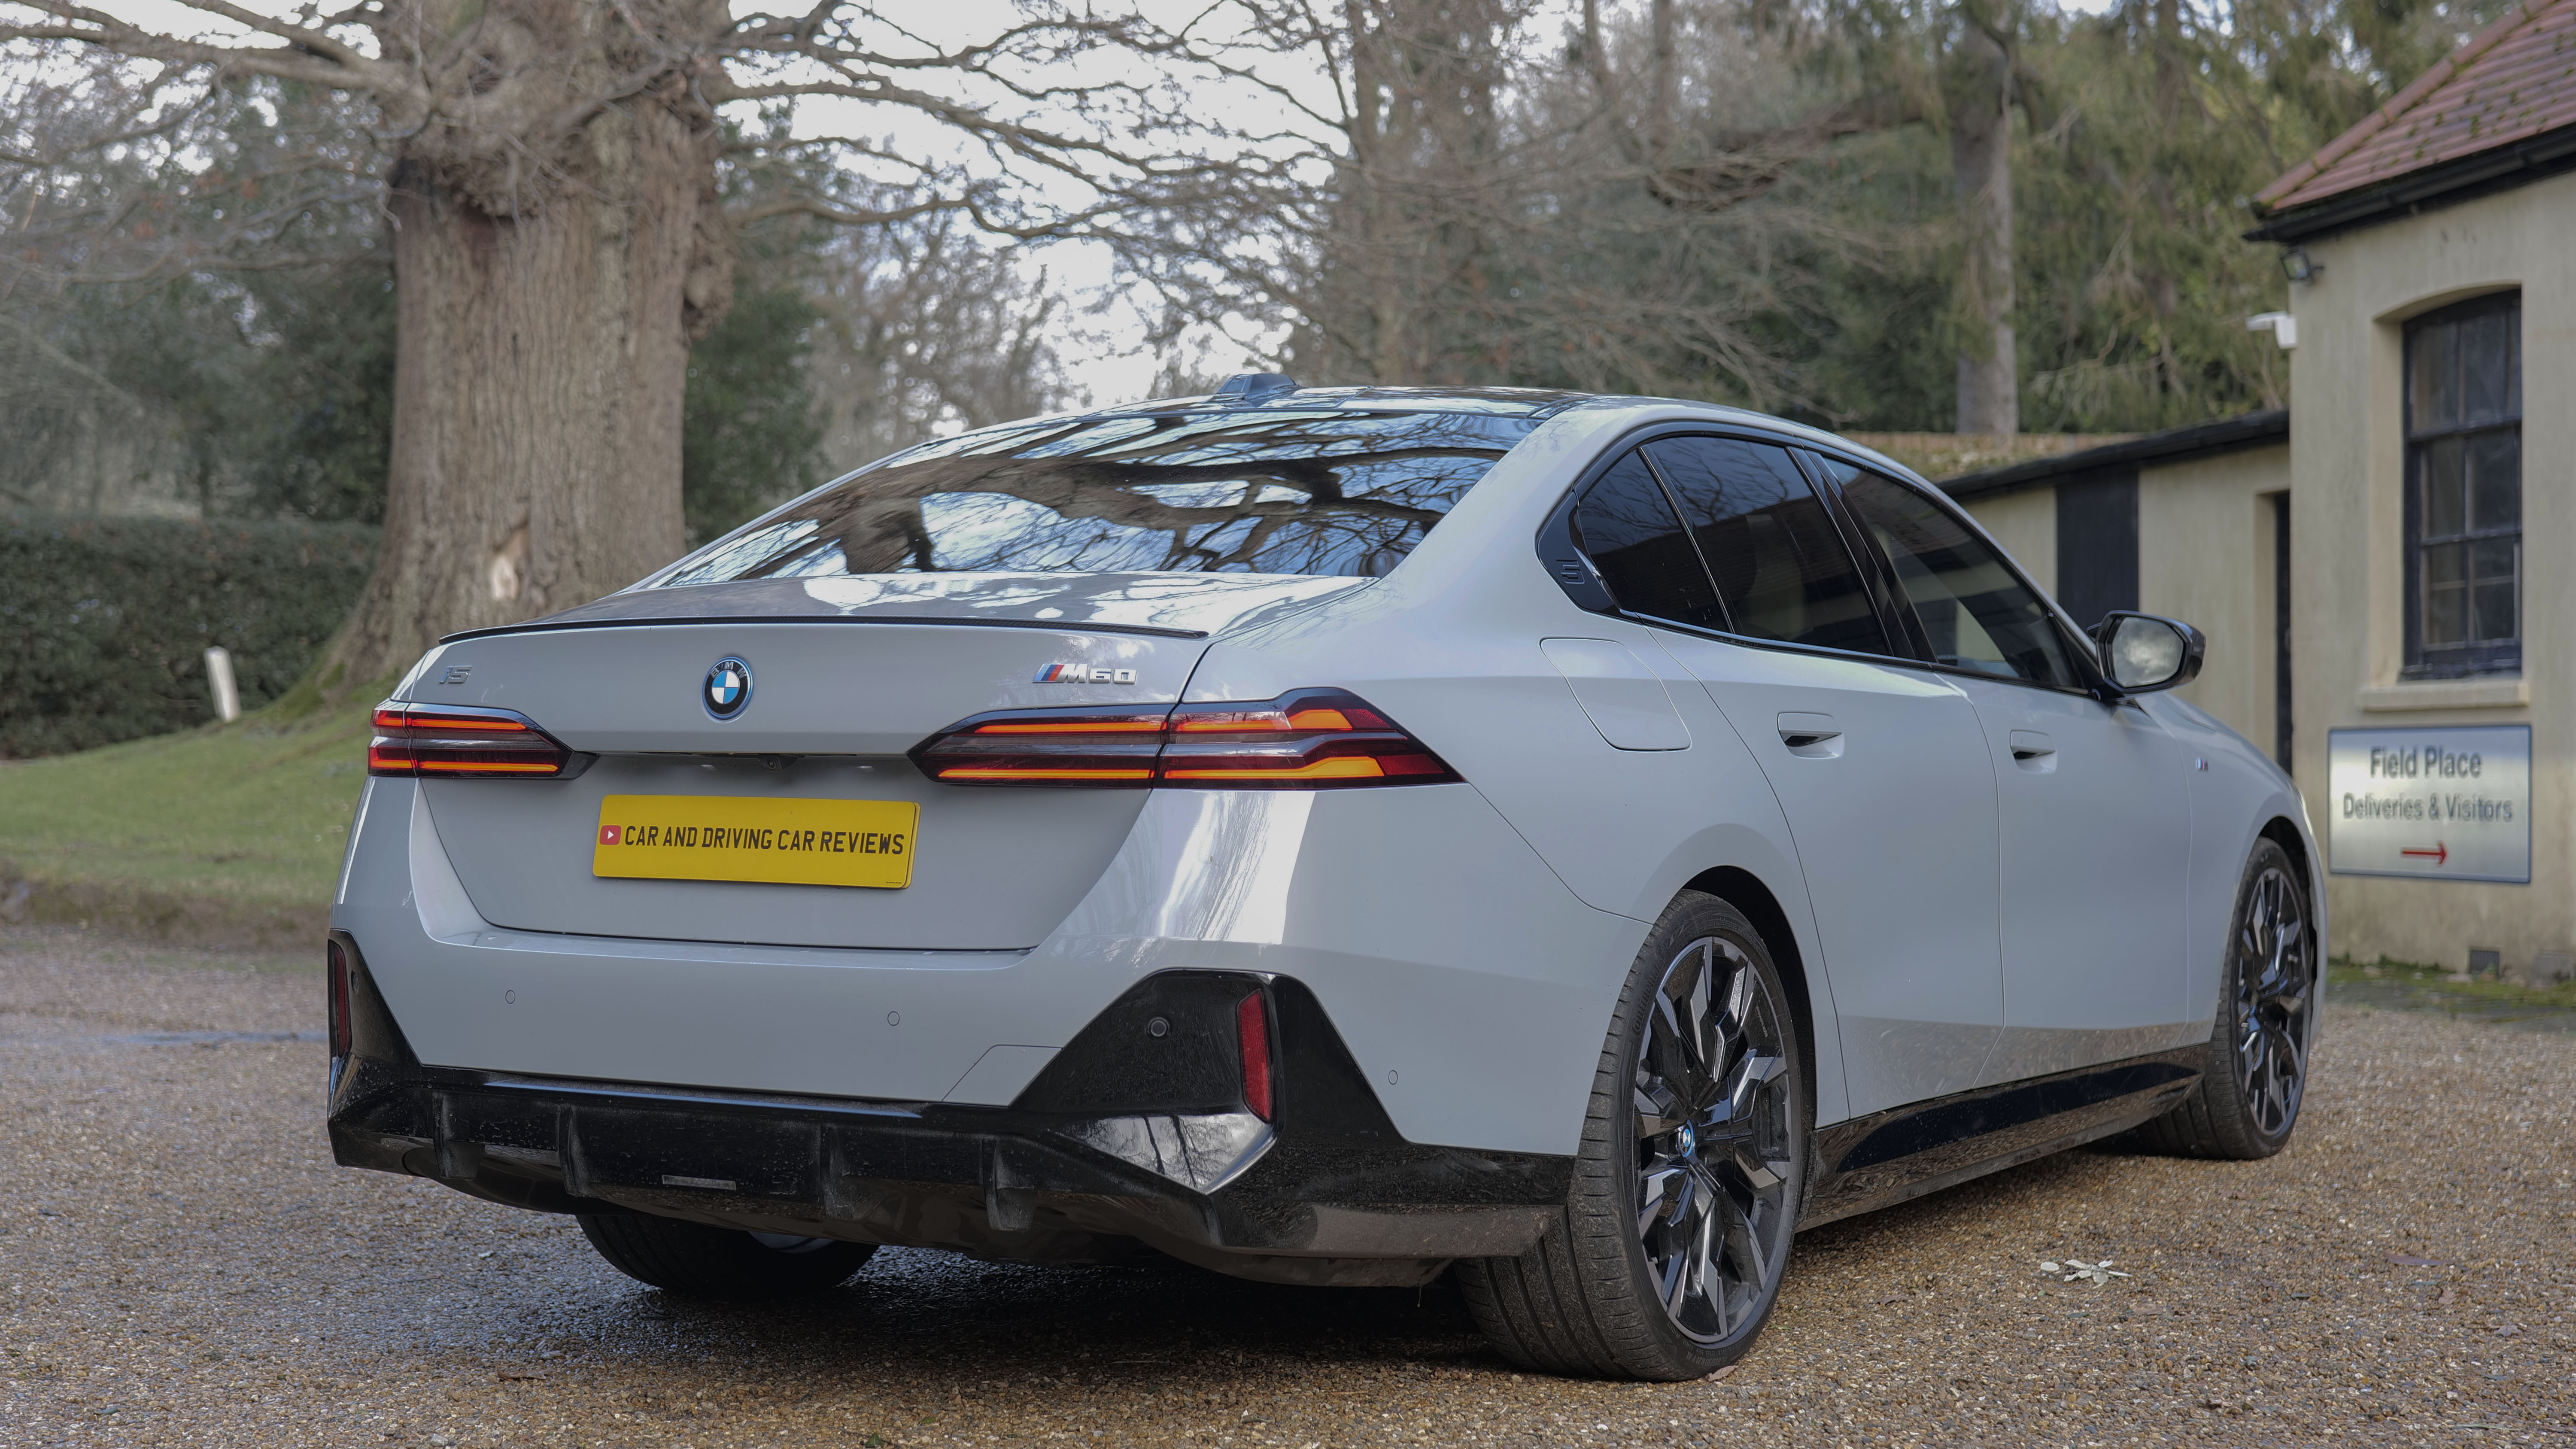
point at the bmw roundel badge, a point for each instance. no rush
(728, 688)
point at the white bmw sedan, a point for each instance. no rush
(1328, 836)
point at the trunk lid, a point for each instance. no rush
(846, 675)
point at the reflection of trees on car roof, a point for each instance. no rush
(1292, 491)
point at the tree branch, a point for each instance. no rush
(309, 56)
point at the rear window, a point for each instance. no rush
(1268, 491)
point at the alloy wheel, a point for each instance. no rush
(2275, 999)
(1713, 1139)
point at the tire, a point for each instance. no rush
(707, 1262)
(1675, 1235)
(2251, 1087)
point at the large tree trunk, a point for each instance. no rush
(1422, 133)
(1979, 87)
(545, 322)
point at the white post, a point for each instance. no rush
(219, 673)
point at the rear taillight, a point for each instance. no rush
(459, 740)
(1308, 739)
(338, 962)
(1252, 1032)
(1047, 747)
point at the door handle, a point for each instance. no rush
(2033, 751)
(1813, 736)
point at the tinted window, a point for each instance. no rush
(2464, 508)
(1975, 612)
(1781, 568)
(1626, 526)
(1265, 490)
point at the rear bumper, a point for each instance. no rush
(1470, 987)
(1329, 1194)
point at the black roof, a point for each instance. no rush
(2227, 435)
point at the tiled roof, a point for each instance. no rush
(2513, 80)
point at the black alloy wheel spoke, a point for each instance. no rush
(1744, 1251)
(2276, 987)
(1711, 1111)
(1753, 1071)
(1657, 1112)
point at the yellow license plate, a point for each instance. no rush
(786, 842)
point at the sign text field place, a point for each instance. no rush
(2445, 802)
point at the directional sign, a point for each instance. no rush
(2447, 802)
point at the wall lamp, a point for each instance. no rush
(2298, 266)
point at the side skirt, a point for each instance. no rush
(1887, 1157)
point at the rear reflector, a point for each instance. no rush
(461, 740)
(338, 961)
(1252, 1032)
(1308, 739)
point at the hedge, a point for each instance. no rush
(105, 622)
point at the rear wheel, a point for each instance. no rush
(2257, 1071)
(1676, 1233)
(710, 1262)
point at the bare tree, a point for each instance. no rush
(1621, 204)
(551, 173)
(926, 329)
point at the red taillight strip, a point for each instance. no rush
(1073, 727)
(970, 772)
(1062, 747)
(1331, 767)
(415, 740)
(1307, 739)
(495, 724)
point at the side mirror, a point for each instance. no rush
(2143, 653)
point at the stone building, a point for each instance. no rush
(2380, 580)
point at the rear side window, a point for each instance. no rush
(1976, 614)
(1626, 526)
(1781, 568)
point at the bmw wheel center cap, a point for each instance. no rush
(728, 688)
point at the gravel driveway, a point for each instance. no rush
(180, 1264)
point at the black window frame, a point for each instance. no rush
(2488, 657)
(2079, 646)
(1572, 570)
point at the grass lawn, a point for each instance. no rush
(250, 814)
(2403, 986)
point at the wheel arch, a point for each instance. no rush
(2284, 832)
(1746, 892)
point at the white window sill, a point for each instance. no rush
(2512, 693)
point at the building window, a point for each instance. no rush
(2464, 489)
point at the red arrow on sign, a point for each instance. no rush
(2439, 854)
